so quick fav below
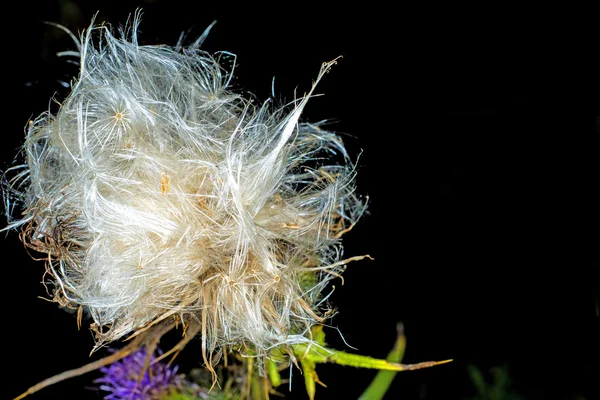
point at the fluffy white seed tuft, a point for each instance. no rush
(157, 193)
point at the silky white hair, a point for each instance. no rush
(156, 192)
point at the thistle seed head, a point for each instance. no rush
(155, 192)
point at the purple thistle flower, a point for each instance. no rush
(121, 378)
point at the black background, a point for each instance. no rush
(481, 173)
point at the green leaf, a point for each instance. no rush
(320, 355)
(380, 385)
(477, 379)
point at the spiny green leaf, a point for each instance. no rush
(319, 355)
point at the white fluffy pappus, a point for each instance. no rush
(159, 195)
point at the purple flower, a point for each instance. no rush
(121, 378)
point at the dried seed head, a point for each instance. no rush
(157, 193)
